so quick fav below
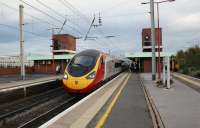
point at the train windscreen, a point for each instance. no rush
(81, 65)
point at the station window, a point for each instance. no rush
(42, 62)
(48, 62)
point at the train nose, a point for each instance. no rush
(76, 84)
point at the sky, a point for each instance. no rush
(122, 19)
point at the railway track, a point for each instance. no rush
(28, 112)
(20, 91)
(33, 111)
(39, 120)
(66, 102)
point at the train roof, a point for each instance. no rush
(90, 52)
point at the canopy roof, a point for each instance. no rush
(147, 54)
(49, 57)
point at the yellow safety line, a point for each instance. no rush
(188, 80)
(103, 118)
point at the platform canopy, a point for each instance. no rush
(147, 54)
(49, 57)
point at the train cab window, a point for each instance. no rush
(86, 61)
(81, 65)
(83, 62)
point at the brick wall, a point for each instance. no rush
(64, 41)
(14, 70)
(147, 32)
(48, 68)
(147, 65)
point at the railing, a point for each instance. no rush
(14, 64)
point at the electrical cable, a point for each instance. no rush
(79, 13)
(57, 13)
(39, 10)
(16, 28)
(36, 18)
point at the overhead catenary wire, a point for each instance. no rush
(76, 11)
(124, 15)
(50, 16)
(41, 11)
(59, 14)
(36, 18)
(55, 12)
(81, 14)
(26, 31)
(16, 28)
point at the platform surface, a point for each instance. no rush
(130, 110)
(178, 106)
(17, 77)
(9, 81)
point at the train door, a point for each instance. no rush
(102, 67)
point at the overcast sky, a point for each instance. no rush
(123, 19)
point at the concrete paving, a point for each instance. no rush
(131, 110)
(14, 78)
(178, 106)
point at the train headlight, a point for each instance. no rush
(91, 75)
(65, 76)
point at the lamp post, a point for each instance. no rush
(158, 41)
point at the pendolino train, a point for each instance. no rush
(88, 69)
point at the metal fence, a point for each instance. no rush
(6, 62)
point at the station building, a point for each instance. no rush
(11, 65)
(63, 49)
(144, 59)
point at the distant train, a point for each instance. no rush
(89, 68)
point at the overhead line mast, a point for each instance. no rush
(21, 28)
(93, 25)
(153, 40)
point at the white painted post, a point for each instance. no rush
(24, 92)
(164, 64)
(21, 28)
(168, 72)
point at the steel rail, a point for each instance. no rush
(41, 117)
(47, 96)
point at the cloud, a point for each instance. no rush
(123, 19)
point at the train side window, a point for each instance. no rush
(117, 65)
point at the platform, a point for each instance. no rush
(130, 109)
(81, 114)
(179, 106)
(38, 79)
(122, 103)
(16, 77)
